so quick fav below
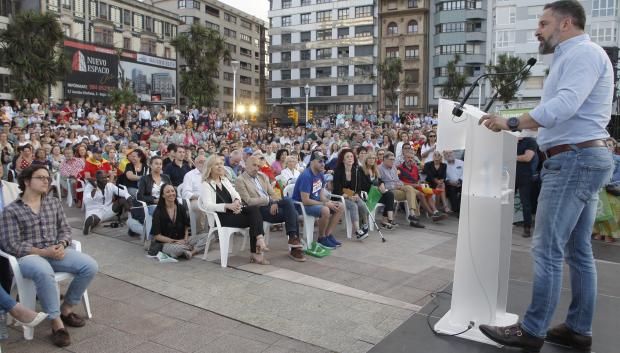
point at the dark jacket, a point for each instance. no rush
(367, 182)
(145, 188)
(356, 183)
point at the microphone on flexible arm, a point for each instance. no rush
(530, 63)
(458, 109)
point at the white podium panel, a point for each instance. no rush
(480, 287)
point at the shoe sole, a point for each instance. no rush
(88, 225)
(362, 237)
(303, 259)
(502, 342)
(325, 247)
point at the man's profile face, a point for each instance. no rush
(548, 32)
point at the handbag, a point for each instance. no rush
(155, 247)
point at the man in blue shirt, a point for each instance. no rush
(309, 190)
(575, 109)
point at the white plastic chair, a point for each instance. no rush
(192, 213)
(308, 220)
(148, 221)
(27, 291)
(224, 234)
(347, 219)
(373, 212)
(79, 188)
(56, 184)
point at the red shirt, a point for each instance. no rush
(92, 167)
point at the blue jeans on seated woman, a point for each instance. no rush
(566, 211)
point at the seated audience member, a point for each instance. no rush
(279, 163)
(371, 176)
(49, 251)
(22, 314)
(454, 180)
(349, 182)
(192, 183)
(171, 227)
(409, 175)
(264, 166)
(309, 191)
(134, 170)
(435, 172)
(255, 190)
(25, 158)
(95, 163)
(219, 195)
(9, 192)
(290, 173)
(389, 175)
(149, 186)
(99, 203)
(177, 169)
(233, 165)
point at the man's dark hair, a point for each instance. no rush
(172, 147)
(569, 8)
(27, 174)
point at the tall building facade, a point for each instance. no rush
(457, 27)
(513, 32)
(332, 47)
(403, 32)
(6, 10)
(245, 37)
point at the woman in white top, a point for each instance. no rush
(290, 173)
(429, 147)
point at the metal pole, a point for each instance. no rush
(234, 93)
(306, 108)
(398, 105)
(479, 95)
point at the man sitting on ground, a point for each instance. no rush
(99, 202)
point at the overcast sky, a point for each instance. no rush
(258, 8)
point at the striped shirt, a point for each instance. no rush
(21, 229)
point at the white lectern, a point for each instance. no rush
(480, 287)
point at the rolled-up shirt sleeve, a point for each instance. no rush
(10, 240)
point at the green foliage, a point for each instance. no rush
(390, 71)
(506, 63)
(455, 82)
(31, 47)
(202, 48)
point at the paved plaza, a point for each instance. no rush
(347, 302)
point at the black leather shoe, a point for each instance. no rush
(513, 336)
(564, 336)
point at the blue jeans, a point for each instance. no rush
(566, 211)
(286, 213)
(6, 302)
(41, 271)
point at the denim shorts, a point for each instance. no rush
(314, 210)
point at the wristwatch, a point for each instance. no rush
(513, 124)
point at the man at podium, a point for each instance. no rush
(575, 109)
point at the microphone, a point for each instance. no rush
(458, 109)
(530, 63)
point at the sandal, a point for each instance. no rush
(260, 244)
(258, 260)
(387, 225)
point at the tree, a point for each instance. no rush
(390, 71)
(507, 85)
(31, 47)
(455, 82)
(202, 48)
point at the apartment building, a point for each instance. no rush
(246, 38)
(6, 10)
(403, 33)
(331, 46)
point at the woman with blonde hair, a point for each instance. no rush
(219, 195)
(372, 178)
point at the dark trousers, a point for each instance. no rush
(387, 199)
(6, 277)
(286, 213)
(454, 196)
(249, 217)
(524, 184)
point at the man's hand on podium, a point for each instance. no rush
(494, 122)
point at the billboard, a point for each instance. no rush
(93, 71)
(153, 79)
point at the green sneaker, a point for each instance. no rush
(317, 251)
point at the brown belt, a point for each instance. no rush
(565, 148)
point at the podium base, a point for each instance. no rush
(445, 326)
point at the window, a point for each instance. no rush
(304, 18)
(212, 11)
(392, 29)
(126, 43)
(412, 27)
(392, 5)
(286, 38)
(343, 14)
(602, 8)
(245, 80)
(245, 38)
(343, 52)
(411, 101)
(148, 23)
(324, 53)
(305, 2)
(66, 4)
(458, 5)
(181, 4)
(603, 32)
(286, 4)
(66, 29)
(412, 52)
(103, 10)
(228, 76)
(285, 92)
(534, 12)
(304, 36)
(322, 72)
(230, 33)
(364, 31)
(363, 11)
(343, 71)
(343, 90)
(127, 17)
(228, 91)
(412, 76)
(324, 34)
(245, 52)
(246, 24)
(323, 1)
(364, 50)
(505, 15)
(212, 26)
(167, 53)
(245, 66)
(304, 73)
(285, 74)
(450, 27)
(412, 4)
(148, 45)
(324, 16)
(104, 36)
(473, 48)
(362, 90)
(343, 32)
(473, 27)
(286, 21)
(323, 91)
(304, 55)
(286, 56)
(391, 52)
(363, 70)
(229, 18)
(231, 48)
(504, 39)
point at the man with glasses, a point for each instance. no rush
(35, 225)
(99, 201)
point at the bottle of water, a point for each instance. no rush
(4, 332)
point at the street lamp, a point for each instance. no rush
(253, 109)
(235, 66)
(398, 101)
(307, 90)
(241, 109)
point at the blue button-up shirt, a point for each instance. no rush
(577, 96)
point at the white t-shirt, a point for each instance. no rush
(425, 148)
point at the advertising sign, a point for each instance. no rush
(93, 71)
(153, 79)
